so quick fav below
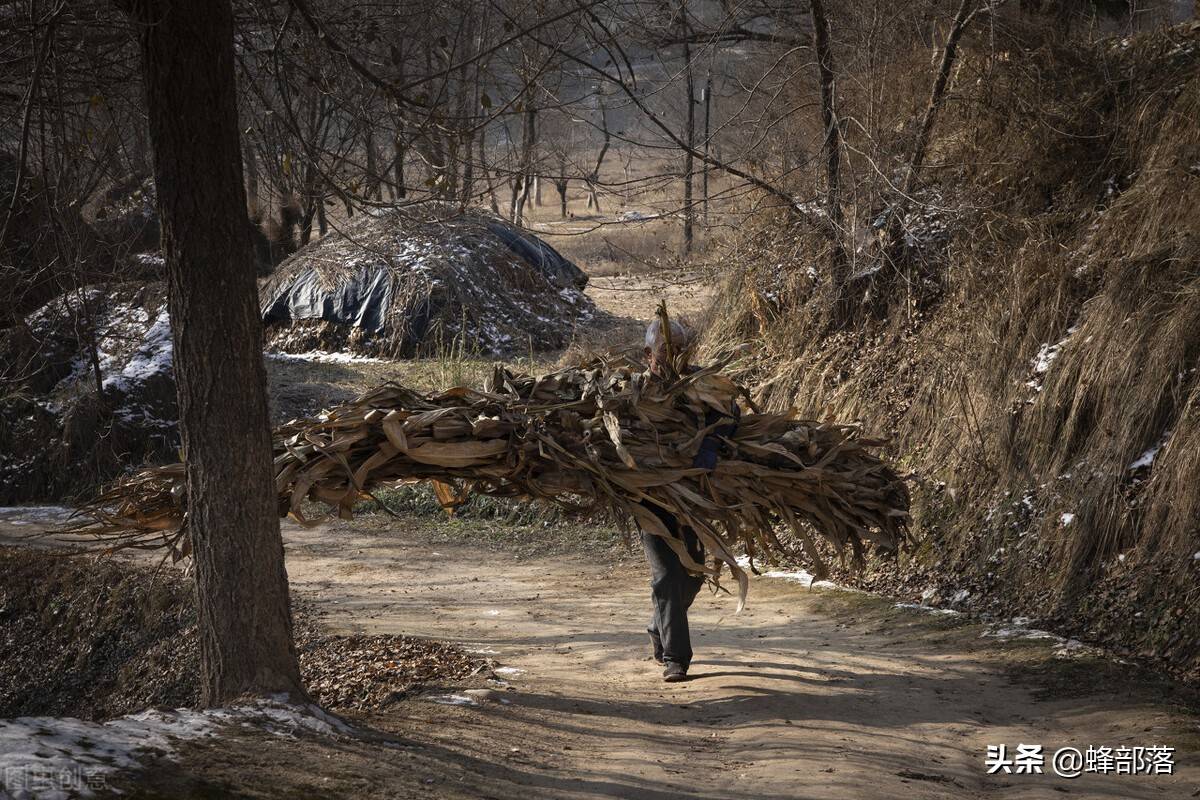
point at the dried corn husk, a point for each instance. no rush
(602, 434)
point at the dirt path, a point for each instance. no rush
(804, 695)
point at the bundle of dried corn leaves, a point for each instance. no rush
(603, 434)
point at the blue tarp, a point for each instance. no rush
(561, 272)
(361, 299)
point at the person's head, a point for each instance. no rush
(682, 339)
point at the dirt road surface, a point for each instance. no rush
(806, 694)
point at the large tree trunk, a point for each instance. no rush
(243, 612)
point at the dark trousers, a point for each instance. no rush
(672, 590)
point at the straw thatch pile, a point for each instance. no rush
(400, 282)
(602, 434)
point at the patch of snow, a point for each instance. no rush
(960, 596)
(453, 700)
(283, 718)
(510, 671)
(152, 357)
(1046, 355)
(1016, 632)
(119, 328)
(1146, 459)
(1018, 628)
(322, 357)
(149, 259)
(809, 209)
(75, 756)
(1072, 648)
(803, 577)
(927, 609)
(34, 515)
(82, 753)
(1066, 519)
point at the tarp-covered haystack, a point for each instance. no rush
(398, 282)
(603, 434)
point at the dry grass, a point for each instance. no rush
(1058, 347)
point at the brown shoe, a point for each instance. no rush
(675, 673)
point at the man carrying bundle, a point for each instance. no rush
(534, 437)
(672, 587)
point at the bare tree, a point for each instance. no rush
(244, 618)
(594, 177)
(938, 93)
(839, 266)
(525, 179)
(689, 135)
(560, 184)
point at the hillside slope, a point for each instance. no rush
(1035, 357)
